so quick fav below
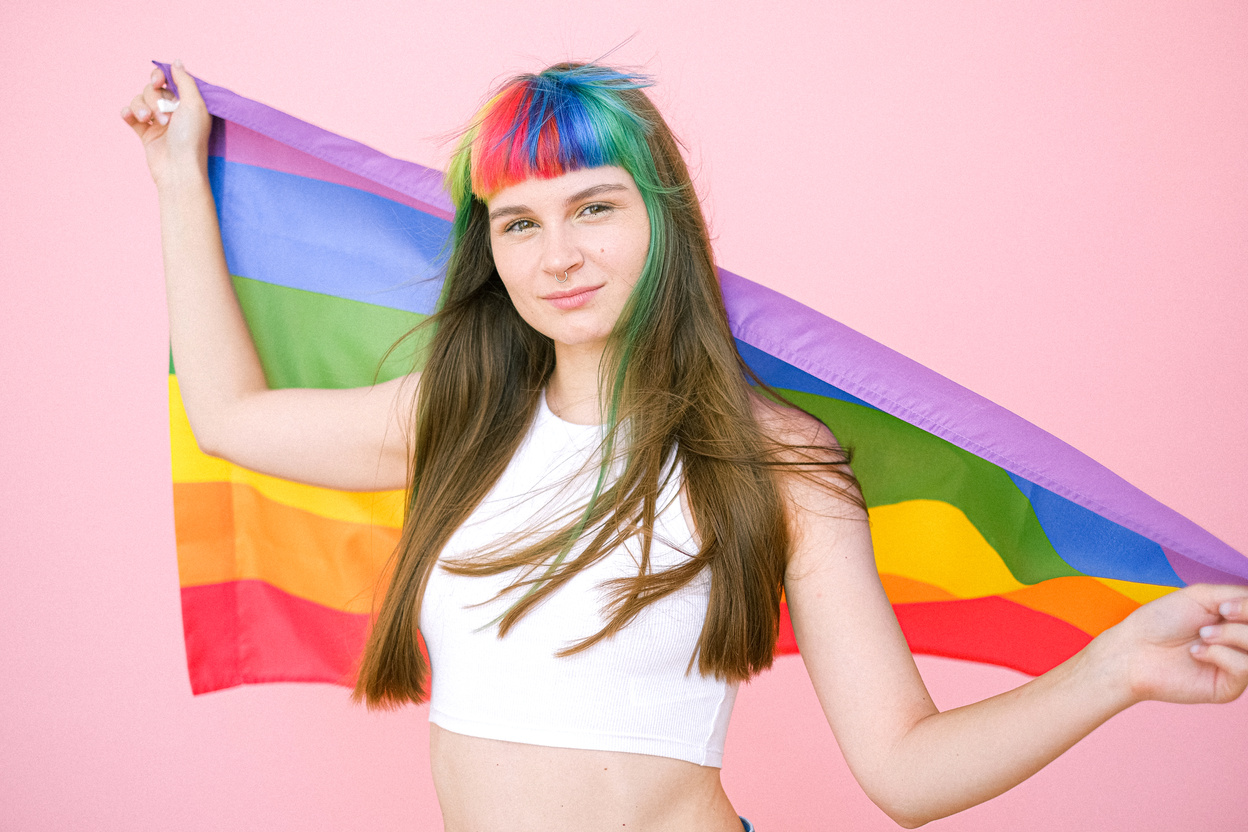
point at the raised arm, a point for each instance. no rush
(349, 439)
(919, 764)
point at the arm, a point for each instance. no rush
(351, 439)
(918, 764)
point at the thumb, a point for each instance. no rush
(187, 88)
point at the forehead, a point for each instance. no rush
(535, 190)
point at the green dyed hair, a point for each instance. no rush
(565, 118)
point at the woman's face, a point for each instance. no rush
(590, 224)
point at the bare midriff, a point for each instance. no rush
(489, 785)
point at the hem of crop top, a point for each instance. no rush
(583, 740)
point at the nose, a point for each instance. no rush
(561, 255)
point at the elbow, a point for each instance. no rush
(207, 440)
(210, 438)
(206, 443)
(907, 817)
(906, 807)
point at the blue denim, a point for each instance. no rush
(746, 825)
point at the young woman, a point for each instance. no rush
(603, 512)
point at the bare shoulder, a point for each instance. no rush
(790, 426)
(815, 474)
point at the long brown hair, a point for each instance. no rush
(673, 383)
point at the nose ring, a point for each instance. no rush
(563, 279)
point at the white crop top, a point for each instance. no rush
(627, 693)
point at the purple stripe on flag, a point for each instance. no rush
(1193, 572)
(418, 182)
(235, 143)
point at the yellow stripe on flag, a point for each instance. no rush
(1140, 593)
(933, 542)
(191, 465)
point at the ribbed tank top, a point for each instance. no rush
(633, 692)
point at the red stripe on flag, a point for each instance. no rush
(247, 632)
(991, 630)
(787, 643)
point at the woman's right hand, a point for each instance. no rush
(175, 142)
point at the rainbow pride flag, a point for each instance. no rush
(995, 541)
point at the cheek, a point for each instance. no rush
(508, 270)
(510, 282)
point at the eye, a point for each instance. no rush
(519, 226)
(597, 209)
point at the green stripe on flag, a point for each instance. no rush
(895, 461)
(307, 339)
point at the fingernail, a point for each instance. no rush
(1209, 631)
(178, 63)
(1198, 648)
(142, 114)
(161, 118)
(1229, 608)
(166, 106)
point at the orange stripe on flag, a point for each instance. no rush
(902, 590)
(1082, 602)
(230, 531)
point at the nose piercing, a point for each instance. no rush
(563, 279)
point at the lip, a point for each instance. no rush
(572, 298)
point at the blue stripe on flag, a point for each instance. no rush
(783, 375)
(322, 237)
(1095, 545)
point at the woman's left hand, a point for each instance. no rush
(1190, 646)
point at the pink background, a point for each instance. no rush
(1047, 202)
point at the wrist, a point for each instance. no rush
(188, 176)
(1106, 665)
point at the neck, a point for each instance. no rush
(572, 393)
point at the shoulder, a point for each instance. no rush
(799, 440)
(791, 426)
(813, 469)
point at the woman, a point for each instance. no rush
(602, 513)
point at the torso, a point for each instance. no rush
(489, 785)
(617, 734)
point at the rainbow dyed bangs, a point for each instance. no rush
(566, 118)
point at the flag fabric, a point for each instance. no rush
(995, 541)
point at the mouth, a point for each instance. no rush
(572, 298)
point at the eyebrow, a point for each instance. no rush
(587, 193)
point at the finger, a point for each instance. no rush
(1235, 609)
(1232, 662)
(1230, 634)
(152, 98)
(138, 116)
(140, 109)
(128, 117)
(1213, 596)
